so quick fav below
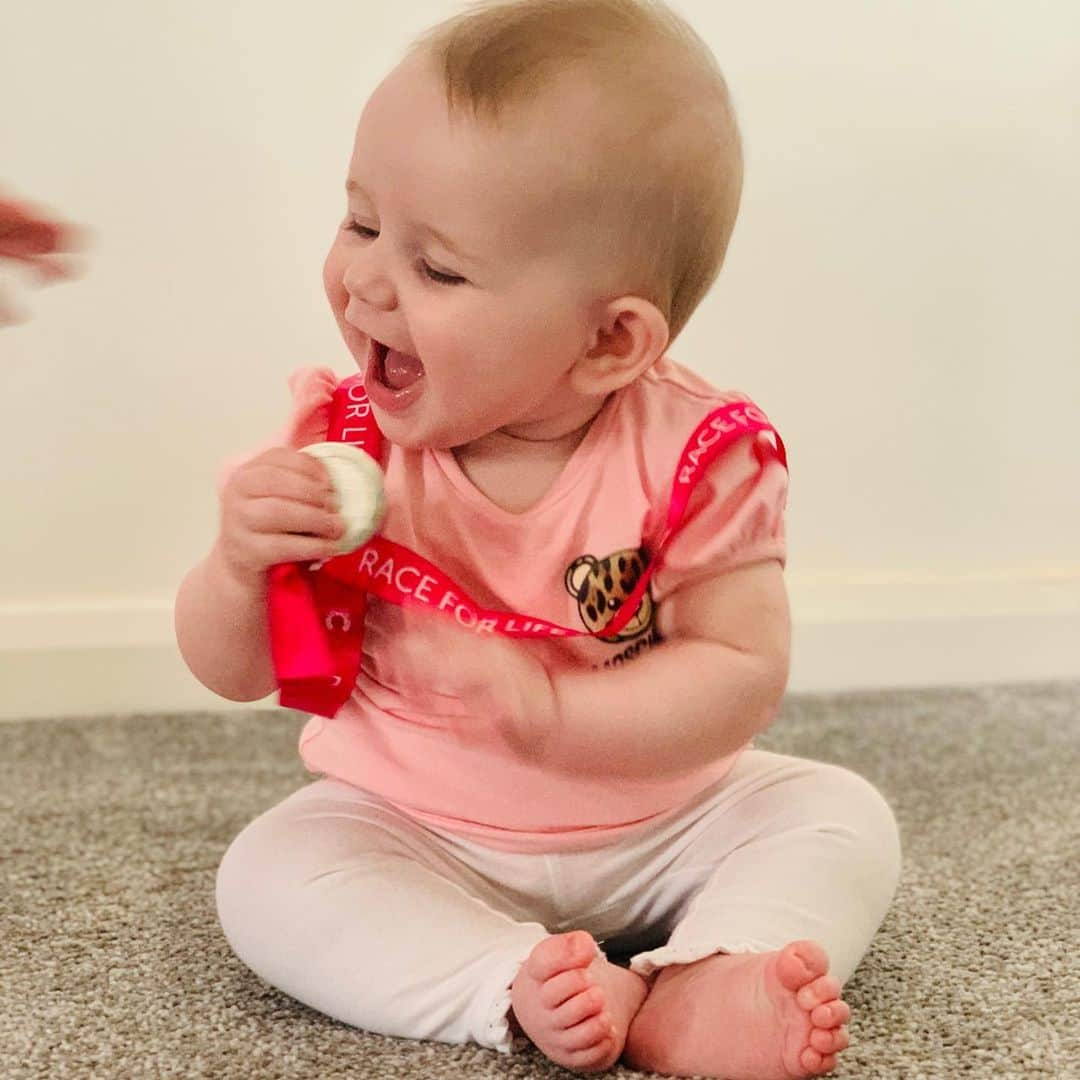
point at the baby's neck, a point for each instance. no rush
(515, 467)
(552, 439)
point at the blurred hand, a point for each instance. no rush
(451, 672)
(35, 241)
(279, 507)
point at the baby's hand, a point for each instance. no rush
(448, 671)
(279, 507)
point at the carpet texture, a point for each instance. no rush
(112, 964)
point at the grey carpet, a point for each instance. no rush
(112, 965)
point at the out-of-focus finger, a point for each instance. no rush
(26, 232)
(73, 238)
(24, 239)
(10, 315)
(16, 256)
(46, 268)
(50, 268)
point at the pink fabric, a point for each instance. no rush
(610, 499)
(318, 612)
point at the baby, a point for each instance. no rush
(565, 837)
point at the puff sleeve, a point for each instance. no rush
(734, 517)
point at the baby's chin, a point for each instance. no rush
(414, 433)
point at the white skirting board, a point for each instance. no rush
(117, 655)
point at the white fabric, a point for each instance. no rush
(343, 902)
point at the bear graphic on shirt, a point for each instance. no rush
(601, 586)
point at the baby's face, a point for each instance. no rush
(459, 248)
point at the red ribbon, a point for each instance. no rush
(316, 610)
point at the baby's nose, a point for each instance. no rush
(365, 281)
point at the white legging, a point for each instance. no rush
(352, 907)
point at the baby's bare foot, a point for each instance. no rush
(746, 1016)
(574, 1004)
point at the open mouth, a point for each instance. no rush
(394, 379)
(396, 370)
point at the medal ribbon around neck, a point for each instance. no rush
(316, 610)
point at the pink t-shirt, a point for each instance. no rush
(564, 559)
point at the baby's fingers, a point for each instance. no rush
(260, 551)
(285, 474)
(273, 516)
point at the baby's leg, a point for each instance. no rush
(348, 906)
(799, 862)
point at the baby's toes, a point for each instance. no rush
(800, 962)
(829, 1042)
(597, 1058)
(588, 1034)
(830, 1015)
(817, 1064)
(579, 1007)
(564, 986)
(823, 989)
(560, 953)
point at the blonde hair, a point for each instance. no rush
(665, 215)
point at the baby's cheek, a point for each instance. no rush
(334, 283)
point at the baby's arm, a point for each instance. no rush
(222, 631)
(714, 683)
(275, 508)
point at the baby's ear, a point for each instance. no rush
(630, 336)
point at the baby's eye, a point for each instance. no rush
(441, 278)
(435, 275)
(361, 230)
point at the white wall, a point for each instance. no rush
(900, 297)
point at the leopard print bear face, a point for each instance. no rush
(601, 585)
